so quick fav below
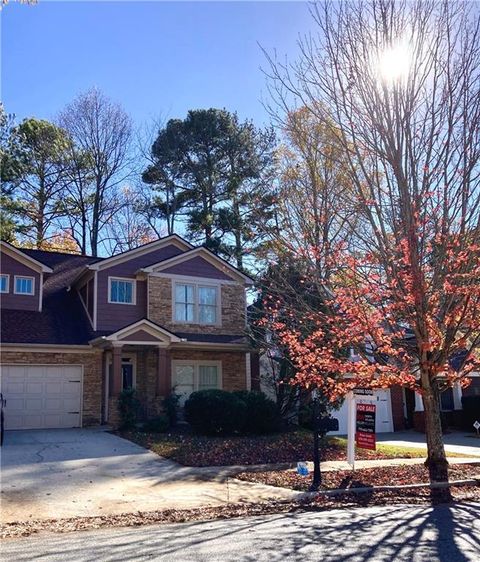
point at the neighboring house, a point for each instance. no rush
(77, 330)
(397, 408)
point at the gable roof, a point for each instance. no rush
(174, 239)
(22, 256)
(145, 325)
(206, 254)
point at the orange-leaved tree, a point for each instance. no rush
(400, 81)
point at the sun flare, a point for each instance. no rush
(394, 63)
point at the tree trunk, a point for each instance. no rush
(436, 459)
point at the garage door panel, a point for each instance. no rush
(33, 404)
(53, 389)
(53, 404)
(34, 387)
(42, 396)
(36, 373)
(11, 387)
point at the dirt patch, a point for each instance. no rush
(367, 477)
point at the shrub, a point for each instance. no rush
(159, 424)
(262, 413)
(170, 404)
(215, 412)
(471, 411)
(129, 408)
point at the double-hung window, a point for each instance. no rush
(207, 305)
(195, 304)
(121, 291)
(4, 282)
(185, 303)
(24, 285)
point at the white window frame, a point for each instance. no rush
(123, 279)
(196, 306)
(7, 277)
(196, 370)
(23, 277)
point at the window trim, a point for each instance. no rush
(196, 306)
(134, 290)
(7, 277)
(16, 277)
(196, 370)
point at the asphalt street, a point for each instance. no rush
(413, 533)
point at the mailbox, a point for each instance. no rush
(327, 424)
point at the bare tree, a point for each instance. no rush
(100, 133)
(128, 227)
(401, 83)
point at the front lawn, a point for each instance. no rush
(366, 477)
(293, 446)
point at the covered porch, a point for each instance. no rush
(153, 361)
(137, 356)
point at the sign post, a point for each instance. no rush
(351, 430)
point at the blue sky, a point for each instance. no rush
(155, 58)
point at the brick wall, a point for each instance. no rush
(398, 414)
(233, 365)
(147, 367)
(232, 301)
(92, 375)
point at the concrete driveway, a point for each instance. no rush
(82, 472)
(455, 441)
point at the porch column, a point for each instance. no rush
(418, 402)
(457, 396)
(116, 370)
(164, 374)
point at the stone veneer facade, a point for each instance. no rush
(233, 303)
(233, 377)
(234, 374)
(92, 374)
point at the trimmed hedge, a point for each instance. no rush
(215, 412)
(262, 413)
(159, 424)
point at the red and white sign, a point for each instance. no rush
(365, 427)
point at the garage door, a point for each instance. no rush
(383, 418)
(42, 396)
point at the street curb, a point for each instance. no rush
(373, 489)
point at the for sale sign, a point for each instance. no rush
(365, 430)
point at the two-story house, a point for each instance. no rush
(77, 330)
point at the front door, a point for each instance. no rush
(127, 376)
(183, 380)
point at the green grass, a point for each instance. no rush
(398, 451)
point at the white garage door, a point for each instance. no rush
(383, 417)
(42, 396)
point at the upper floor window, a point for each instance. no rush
(195, 304)
(4, 283)
(121, 291)
(24, 285)
(207, 305)
(185, 303)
